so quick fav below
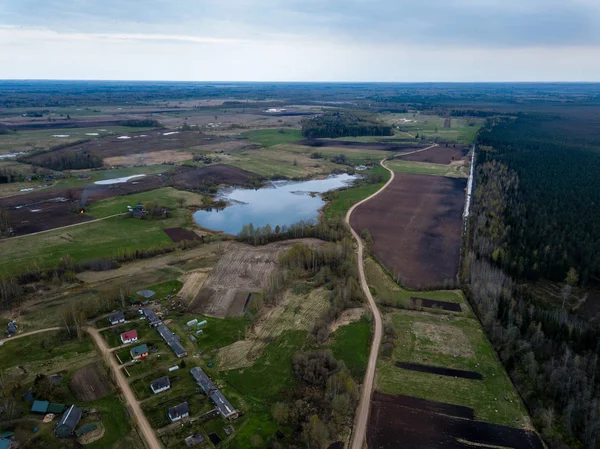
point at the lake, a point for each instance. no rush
(280, 203)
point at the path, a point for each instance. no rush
(143, 424)
(27, 334)
(66, 227)
(362, 411)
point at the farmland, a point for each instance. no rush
(416, 228)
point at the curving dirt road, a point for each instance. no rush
(26, 334)
(143, 424)
(362, 411)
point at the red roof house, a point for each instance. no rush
(129, 336)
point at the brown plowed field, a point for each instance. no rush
(89, 383)
(181, 234)
(416, 225)
(194, 178)
(402, 421)
(438, 155)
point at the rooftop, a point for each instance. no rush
(179, 410)
(139, 350)
(224, 406)
(129, 335)
(203, 380)
(160, 383)
(119, 316)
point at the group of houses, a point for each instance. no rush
(65, 427)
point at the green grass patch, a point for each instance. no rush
(425, 168)
(340, 201)
(494, 398)
(272, 373)
(41, 347)
(118, 431)
(167, 196)
(270, 137)
(163, 289)
(113, 334)
(99, 175)
(350, 343)
(217, 332)
(257, 421)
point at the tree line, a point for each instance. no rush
(343, 124)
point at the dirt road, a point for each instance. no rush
(362, 412)
(26, 334)
(143, 424)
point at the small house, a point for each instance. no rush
(55, 408)
(129, 337)
(69, 420)
(7, 440)
(179, 412)
(39, 406)
(117, 318)
(160, 385)
(139, 352)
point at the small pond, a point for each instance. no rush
(280, 203)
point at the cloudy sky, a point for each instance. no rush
(301, 40)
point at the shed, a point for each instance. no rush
(117, 318)
(69, 420)
(129, 336)
(160, 384)
(194, 440)
(139, 352)
(179, 412)
(39, 406)
(55, 408)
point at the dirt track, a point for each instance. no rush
(143, 424)
(26, 334)
(362, 411)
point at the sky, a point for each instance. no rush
(301, 40)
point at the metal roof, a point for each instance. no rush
(139, 350)
(69, 419)
(203, 380)
(116, 317)
(179, 410)
(40, 406)
(129, 335)
(160, 383)
(221, 402)
(172, 340)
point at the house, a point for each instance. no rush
(194, 440)
(117, 318)
(151, 316)
(179, 412)
(172, 341)
(139, 352)
(7, 440)
(11, 328)
(39, 406)
(160, 385)
(129, 337)
(69, 420)
(221, 403)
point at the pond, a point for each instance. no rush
(280, 203)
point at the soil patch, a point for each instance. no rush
(193, 284)
(89, 384)
(416, 226)
(441, 338)
(198, 178)
(180, 234)
(411, 423)
(438, 155)
(439, 370)
(435, 304)
(348, 316)
(383, 146)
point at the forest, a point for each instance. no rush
(69, 161)
(343, 124)
(535, 206)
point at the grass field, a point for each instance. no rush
(350, 343)
(104, 238)
(460, 131)
(167, 196)
(99, 175)
(342, 200)
(355, 156)
(425, 168)
(27, 140)
(270, 137)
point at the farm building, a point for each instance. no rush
(139, 352)
(179, 412)
(223, 405)
(39, 406)
(129, 337)
(117, 318)
(151, 316)
(160, 385)
(69, 420)
(172, 340)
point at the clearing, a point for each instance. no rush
(90, 383)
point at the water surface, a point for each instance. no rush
(281, 203)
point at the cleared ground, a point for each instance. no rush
(196, 178)
(438, 155)
(90, 383)
(416, 226)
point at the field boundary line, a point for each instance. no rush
(64, 227)
(362, 411)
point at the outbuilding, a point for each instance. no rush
(129, 337)
(179, 412)
(69, 420)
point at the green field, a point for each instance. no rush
(425, 168)
(99, 239)
(341, 201)
(99, 175)
(167, 196)
(270, 137)
(350, 343)
(355, 156)
(461, 130)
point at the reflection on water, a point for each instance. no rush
(282, 203)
